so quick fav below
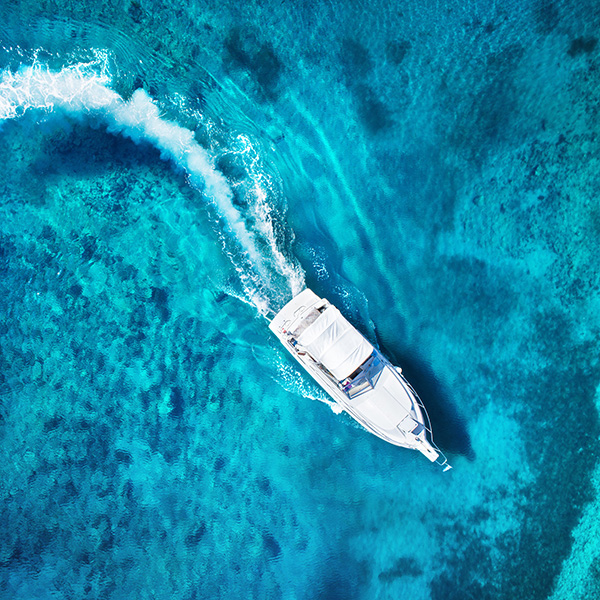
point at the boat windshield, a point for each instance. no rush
(364, 378)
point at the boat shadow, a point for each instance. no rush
(449, 427)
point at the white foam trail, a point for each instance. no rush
(140, 120)
(263, 213)
(83, 89)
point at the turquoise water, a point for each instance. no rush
(172, 173)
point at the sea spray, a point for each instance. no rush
(83, 91)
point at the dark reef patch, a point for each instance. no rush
(177, 402)
(160, 300)
(53, 423)
(272, 547)
(396, 51)
(135, 11)
(264, 485)
(373, 113)
(547, 15)
(357, 64)
(195, 537)
(342, 579)
(89, 248)
(245, 50)
(160, 296)
(405, 566)
(75, 290)
(582, 45)
(355, 59)
(123, 457)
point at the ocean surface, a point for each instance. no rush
(173, 172)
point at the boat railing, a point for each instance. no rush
(442, 461)
(420, 403)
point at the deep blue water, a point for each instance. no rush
(171, 172)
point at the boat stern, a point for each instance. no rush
(283, 321)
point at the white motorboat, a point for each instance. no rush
(361, 381)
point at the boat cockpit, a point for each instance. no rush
(364, 378)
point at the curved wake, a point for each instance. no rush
(267, 276)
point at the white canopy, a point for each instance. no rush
(335, 343)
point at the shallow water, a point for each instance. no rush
(172, 173)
